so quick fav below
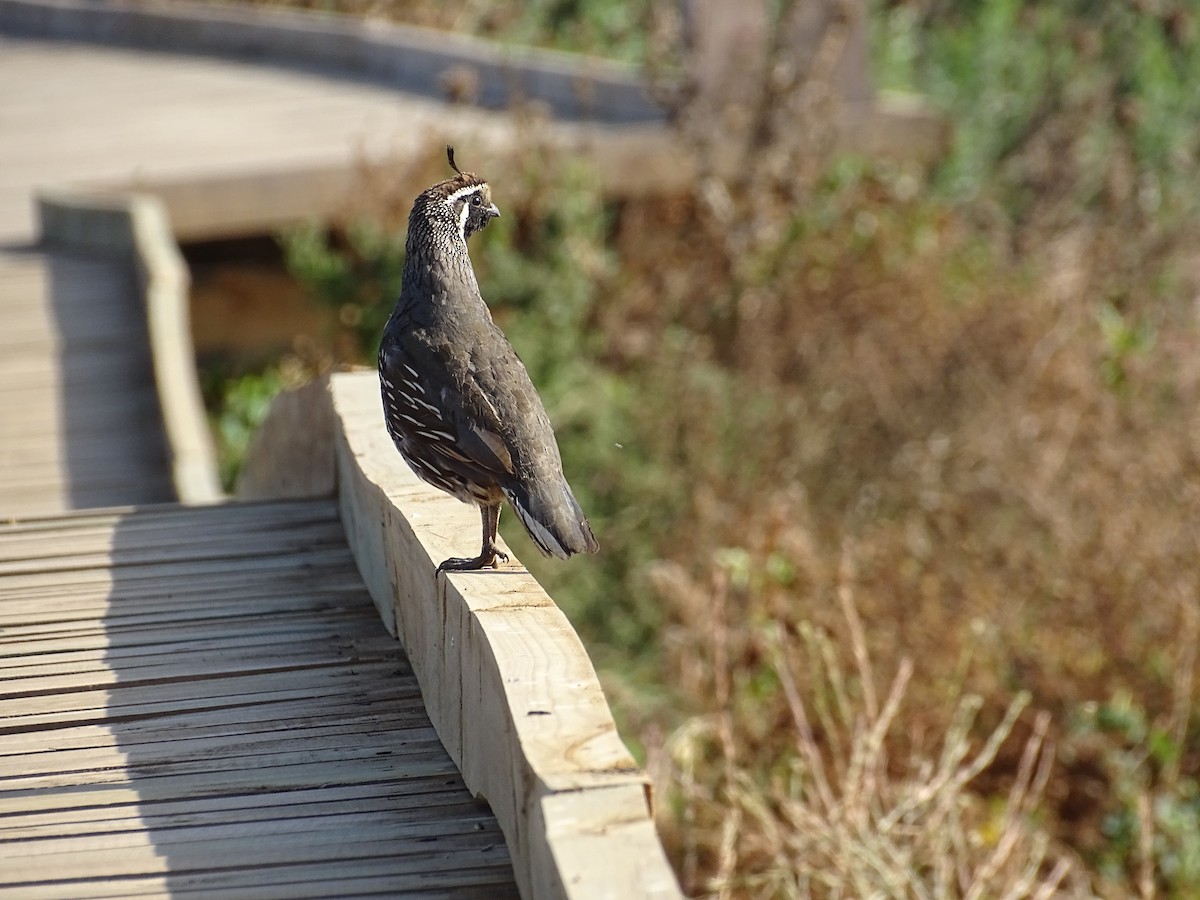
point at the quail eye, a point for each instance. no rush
(476, 200)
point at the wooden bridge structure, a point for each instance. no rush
(205, 696)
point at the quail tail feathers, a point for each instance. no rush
(553, 518)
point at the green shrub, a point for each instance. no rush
(237, 402)
(356, 273)
(1152, 823)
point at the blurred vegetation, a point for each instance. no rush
(605, 27)
(237, 398)
(845, 417)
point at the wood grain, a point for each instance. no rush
(203, 701)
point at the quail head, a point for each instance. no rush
(457, 401)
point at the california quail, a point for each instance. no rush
(458, 402)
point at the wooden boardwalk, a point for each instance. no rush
(203, 702)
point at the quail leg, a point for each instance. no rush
(488, 555)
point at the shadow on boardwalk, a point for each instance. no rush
(111, 434)
(273, 735)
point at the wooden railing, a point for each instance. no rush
(506, 681)
(137, 225)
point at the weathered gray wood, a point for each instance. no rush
(109, 858)
(164, 280)
(478, 879)
(267, 743)
(78, 417)
(121, 816)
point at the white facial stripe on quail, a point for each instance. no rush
(462, 192)
(462, 220)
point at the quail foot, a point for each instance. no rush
(457, 401)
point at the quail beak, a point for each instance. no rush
(493, 212)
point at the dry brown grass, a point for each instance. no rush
(1020, 518)
(820, 806)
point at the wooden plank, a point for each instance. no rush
(153, 518)
(39, 556)
(127, 639)
(42, 606)
(402, 721)
(46, 451)
(82, 366)
(241, 774)
(21, 684)
(130, 815)
(166, 634)
(296, 832)
(400, 735)
(36, 599)
(84, 803)
(142, 583)
(413, 737)
(476, 884)
(476, 875)
(252, 553)
(33, 556)
(164, 280)
(507, 683)
(130, 637)
(409, 849)
(166, 528)
(22, 713)
(84, 485)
